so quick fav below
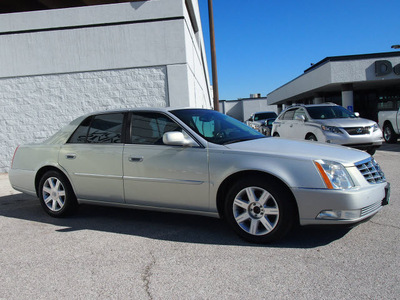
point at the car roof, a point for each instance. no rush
(143, 109)
(313, 105)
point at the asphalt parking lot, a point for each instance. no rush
(110, 253)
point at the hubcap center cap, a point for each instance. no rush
(256, 210)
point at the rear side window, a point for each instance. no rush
(105, 128)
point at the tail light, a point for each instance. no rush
(15, 152)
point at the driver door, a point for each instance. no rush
(161, 175)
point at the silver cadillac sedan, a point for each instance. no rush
(199, 161)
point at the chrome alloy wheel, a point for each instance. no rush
(54, 194)
(256, 211)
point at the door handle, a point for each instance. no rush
(135, 159)
(70, 156)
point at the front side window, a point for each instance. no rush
(289, 114)
(149, 128)
(103, 129)
(300, 112)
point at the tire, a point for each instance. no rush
(388, 134)
(266, 131)
(276, 134)
(371, 151)
(56, 195)
(311, 137)
(259, 210)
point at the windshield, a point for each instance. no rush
(329, 112)
(264, 116)
(216, 127)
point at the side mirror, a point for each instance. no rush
(176, 138)
(357, 114)
(300, 118)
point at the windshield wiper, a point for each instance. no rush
(243, 140)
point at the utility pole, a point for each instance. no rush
(213, 55)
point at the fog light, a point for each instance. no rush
(339, 214)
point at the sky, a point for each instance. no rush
(263, 44)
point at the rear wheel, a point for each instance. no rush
(56, 195)
(258, 210)
(276, 134)
(388, 134)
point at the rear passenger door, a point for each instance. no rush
(93, 158)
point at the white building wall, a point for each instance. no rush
(34, 107)
(59, 64)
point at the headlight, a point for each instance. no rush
(374, 127)
(334, 174)
(331, 129)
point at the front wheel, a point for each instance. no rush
(311, 137)
(371, 151)
(258, 210)
(56, 195)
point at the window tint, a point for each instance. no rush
(106, 129)
(263, 116)
(289, 114)
(149, 128)
(99, 129)
(79, 136)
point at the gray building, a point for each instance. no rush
(59, 62)
(363, 83)
(242, 109)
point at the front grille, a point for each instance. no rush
(371, 208)
(371, 171)
(358, 130)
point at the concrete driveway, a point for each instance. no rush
(110, 253)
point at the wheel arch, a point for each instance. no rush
(308, 134)
(386, 123)
(45, 169)
(228, 182)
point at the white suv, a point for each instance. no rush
(328, 123)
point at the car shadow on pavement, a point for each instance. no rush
(157, 225)
(390, 147)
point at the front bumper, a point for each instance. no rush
(364, 141)
(367, 200)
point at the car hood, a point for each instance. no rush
(345, 122)
(301, 150)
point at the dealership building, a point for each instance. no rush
(363, 83)
(59, 62)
